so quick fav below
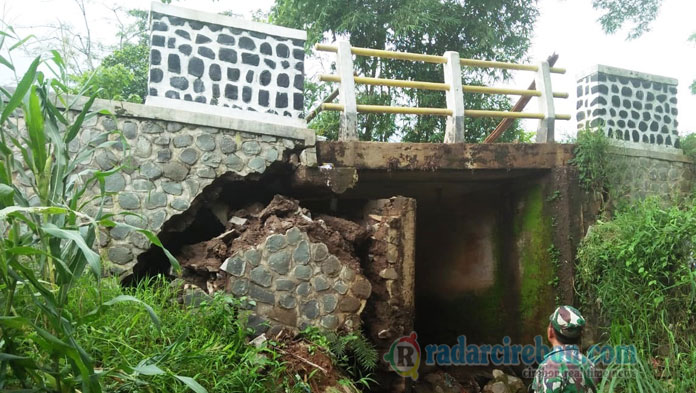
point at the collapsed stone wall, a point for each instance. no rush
(169, 158)
(299, 271)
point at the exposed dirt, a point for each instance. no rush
(249, 226)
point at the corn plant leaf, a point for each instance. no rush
(92, 257)
(20, 42)
(14, 322)
(192, 384)
(75, 128)
(22, 88)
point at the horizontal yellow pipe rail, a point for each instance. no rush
(389, 82)
(438, 86)
(440, 111)
(506, 91)
(404, 110)
(387, 54)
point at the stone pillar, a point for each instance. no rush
(220, 65)
(637, 108)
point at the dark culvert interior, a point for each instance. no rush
(467, 262)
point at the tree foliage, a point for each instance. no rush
(483, 29)
(638, 14)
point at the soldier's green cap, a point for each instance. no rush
(568, 321)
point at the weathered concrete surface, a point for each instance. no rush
(441, 156)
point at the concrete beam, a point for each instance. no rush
(442, 156)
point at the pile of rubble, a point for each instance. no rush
(298, 270)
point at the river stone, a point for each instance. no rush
(228, 145)
(362, 288)
(253, 256)
(257, 164)
(389, 274)
(340, 287)
(320, 283)
(271, 155)
(280, 262)
(157, 219)
(189, 156)
(331, 266)
(251, 148)
(287, 301)
(329, 322)
(303, 272)
(319, 251)
(205, 142)
(261, 295)
(347, 274)
(172, 188)
(183, 140)
(128, 201)
(329, 303)
(261, 276)
(120, 255)
(303, 289)
(285, 285)
(108, 124)
(174, 127)
(155, 199)
(275, 243)
(349, 304)
(106, 160)
(150, 127)
(143, 148)
(234, 266)
(114, 183)
(180, 204)
(175, 171)
(150, 170)
(206, 173)
(130, 130)
(211, 159)
(119, 232)
(301, 253)
(293, 235)
(310, 309)
(240, 287)
(234, 162)
(136, 221)
(162, 140)
(139, 240)
(164, 155)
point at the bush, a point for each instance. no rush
(637, 272)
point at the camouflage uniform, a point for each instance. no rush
(565, 369)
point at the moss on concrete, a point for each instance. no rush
(533, 236)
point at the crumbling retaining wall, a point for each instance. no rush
(171, 157)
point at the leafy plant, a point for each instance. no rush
(635, 273)
(49, 241)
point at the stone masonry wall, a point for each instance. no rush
(226, 62)
(297, 283)
(637, 108)
(645, 173)
(171, 156)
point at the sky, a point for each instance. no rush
(567, 27)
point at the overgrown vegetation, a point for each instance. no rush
(63, 327)
(637, 272)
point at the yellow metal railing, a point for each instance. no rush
(453, 88)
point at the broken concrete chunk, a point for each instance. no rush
(237, 221)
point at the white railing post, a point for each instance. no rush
(455, 98)
(545, 133)
(348, 130)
